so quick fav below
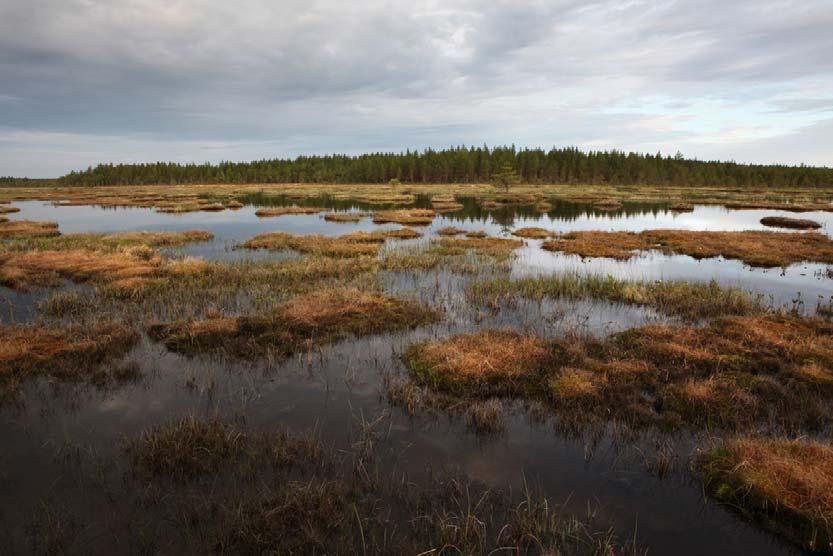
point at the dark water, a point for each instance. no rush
(62, 442)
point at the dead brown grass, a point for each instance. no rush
(532, 233)
(15, 229)
(449, 231)
(792, 223)
(66, 352)
(280, 211)
(786, 484)
(490, 361)
(737, 372)
(682, 207)
(412, 217)
(755, 248)
(318, 317)
(21, 269)
(445, 203)
(8, 210)
(356, 244)
(344, 216)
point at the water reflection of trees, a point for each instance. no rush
(505, 216)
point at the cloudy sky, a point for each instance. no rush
(86, 81)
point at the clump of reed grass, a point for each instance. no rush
(476, 234)
(319, 317)
(755, 248)
(689, 300)
(445, 203)
(15, 229)
(8, 210)
(190, 447)
(787, 485)
(449, 231)
(737, 372)
(411, 217)
(356, 244)
(281, 211)
(344, 216)
(486, 417)
(791, 223)
(532, 233)
(481, 363)
(681, 207)
(69, 352)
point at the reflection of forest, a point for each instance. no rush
(471, 212)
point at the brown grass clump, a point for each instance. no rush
(18, 270)
(67, 352)
(476, 234)
(314, 244)
(8, 210)
(785, 484)
(445, 203)
(412, 217)
(532, 233)
(769, 205)
(482, 363)
(755, 248)
(737, 372)
(792, 223)
(344, 216)
(450, 231)
(319, 317)
(280, 211)
(14, 229)
(356, 244)
(234, 204)
(492, 246)
(681, 207)
(153, 239)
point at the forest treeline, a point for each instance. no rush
(465, 165)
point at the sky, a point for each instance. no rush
(89, 81)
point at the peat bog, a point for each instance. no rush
(415, 369)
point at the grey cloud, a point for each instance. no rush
(328, 75)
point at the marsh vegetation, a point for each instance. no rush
(414, 368)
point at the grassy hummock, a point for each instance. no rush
(787, 485)
(315, 318)
(755, 248)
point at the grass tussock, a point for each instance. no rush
(445, 203)
(344, 216)
(356, 244)
(45, 268)
(8, 210)
(410, 217)
(755, 248)
(450, 231)
(73, 353)
(318, 317)
(481, 363)
(791, 223)
(787, 485)
(281, 211)
(689, 300)
(532, 233)
(736, 372)
(190, 447)
(16, 229)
